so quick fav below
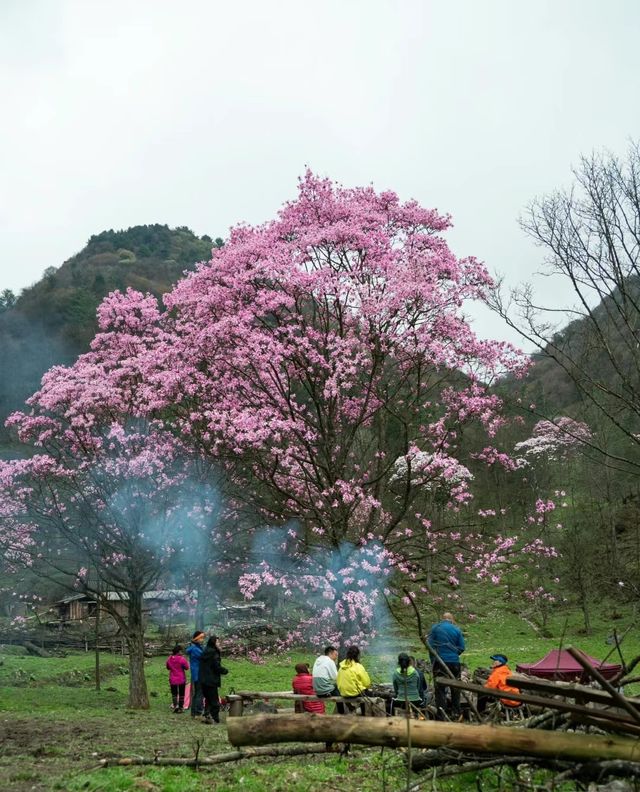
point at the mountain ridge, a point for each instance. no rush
(52, 321)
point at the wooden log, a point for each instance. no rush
(397, 732)
(568, 689)
(595, 674)
(36, 650)
(373, 705)
(271, 694)
(236, 706)
(287, 695)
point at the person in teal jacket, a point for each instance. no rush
(407, 685)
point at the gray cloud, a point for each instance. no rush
(204, 114)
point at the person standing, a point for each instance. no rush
(211, 669)
(446, 643)
(325, 673)
(194, 650)
(177, 665)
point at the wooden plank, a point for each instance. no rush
(595, 674)
(569, 689)
(540, 701)
(289, 696)
(606, 724)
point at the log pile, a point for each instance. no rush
(604, 706)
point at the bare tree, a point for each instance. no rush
(592, 237)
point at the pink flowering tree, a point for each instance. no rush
(324, 360)
(324, 363)
(100, 507)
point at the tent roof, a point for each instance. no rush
(559, 664)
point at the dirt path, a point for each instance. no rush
(37, 751)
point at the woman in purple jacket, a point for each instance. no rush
(177, 665)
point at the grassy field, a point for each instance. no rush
(54, 727)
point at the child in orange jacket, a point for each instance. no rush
(498, 679)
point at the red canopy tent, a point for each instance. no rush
(559, 664)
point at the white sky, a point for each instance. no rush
(205, 113)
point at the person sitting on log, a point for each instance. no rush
(498, 679)
(406, 685)
(353, 679)
(325, 673)
(302, 683)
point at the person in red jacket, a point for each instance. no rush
(498, 679)
(302, 684)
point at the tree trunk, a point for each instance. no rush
(200, 608)
(97, 647)
(138, 695)
(36, 650)
(394, 732)
(584, 605)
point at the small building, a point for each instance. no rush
(240, 612)
(75, 607)
(157, 605)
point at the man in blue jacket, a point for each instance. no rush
(446, 643)
(194, 650)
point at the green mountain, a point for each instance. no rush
(53, 321)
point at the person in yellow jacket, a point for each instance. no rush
(353, 679)
(498, 679)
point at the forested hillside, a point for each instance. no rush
(54, 320)
(592, 353)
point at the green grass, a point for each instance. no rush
(53, 733)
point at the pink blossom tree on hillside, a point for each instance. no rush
(554, 452)
(555, 440)
(323, 358)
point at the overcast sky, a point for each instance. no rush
(205, 113)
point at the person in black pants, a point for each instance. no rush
(211, 670)
(446, 643)
(194, 650)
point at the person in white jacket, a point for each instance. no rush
(325, 673)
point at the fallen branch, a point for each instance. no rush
(580, 693)
(36, 650)
(486, 764)
(595, 674)
(231, 756)
(598, 771)
(547, 719)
